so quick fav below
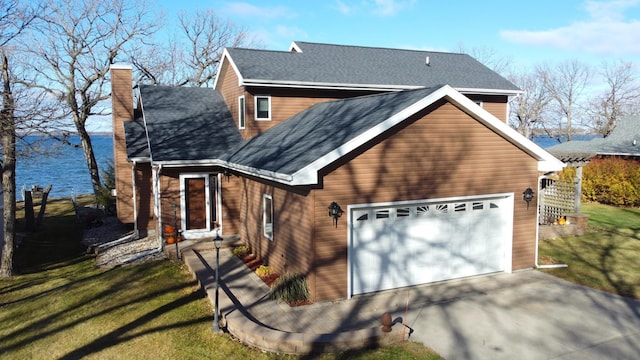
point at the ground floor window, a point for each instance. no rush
(267, 216)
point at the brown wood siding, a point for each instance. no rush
(285, 103)
(170, 195)
(122, 108)
(444, 153)
(144, 188)
(291, 247)
(231, 91)
(494, 104)
(231, 197)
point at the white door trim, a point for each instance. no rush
(183, 206)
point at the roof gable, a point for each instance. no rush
(355, 67)
(294, 151)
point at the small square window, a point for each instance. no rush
(241, 112)
(263, 107)
(267, 216)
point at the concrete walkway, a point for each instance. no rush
(524, 315)
(320, 327)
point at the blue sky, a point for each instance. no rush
(526, 32)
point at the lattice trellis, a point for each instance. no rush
(557, 199)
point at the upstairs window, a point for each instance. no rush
(241, 113)
(263, 107)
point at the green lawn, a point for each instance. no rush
(62, 306)
(605, 258)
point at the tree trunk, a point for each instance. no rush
(90, 158)
(8, 136)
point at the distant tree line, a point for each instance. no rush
(563, 98)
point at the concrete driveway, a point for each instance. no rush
(525, 315)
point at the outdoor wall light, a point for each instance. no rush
(527, 196)
(335, 211)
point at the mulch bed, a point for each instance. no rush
(252, 261)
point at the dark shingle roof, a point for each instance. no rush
(341, 65)
(619, 142)
(292, 145)
(186, 124)
(136, 139)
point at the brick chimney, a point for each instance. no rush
(122, 110)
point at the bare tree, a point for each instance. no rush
(191, 57)
(71, 51)
(617, 100)
(528, 111)
(565, 83)
(14, 20)
(489, 57)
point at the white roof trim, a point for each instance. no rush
(264, 174)
(120, 66)
(490, 91)
(294, 47)
(227, 57)
(324, 85)
(616, 154)
(370, 87)
(546, 162)
(146, 128)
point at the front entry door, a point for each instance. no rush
(198, 204)
(196, 198)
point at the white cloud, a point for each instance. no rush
(382, 8)
(291, 32)
(606, 32)
(242, 9)
(343, 8)
(390, 7)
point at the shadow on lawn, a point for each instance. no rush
(95, 302)
(55, 252)
(126, 332)
(608, 253)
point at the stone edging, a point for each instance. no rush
(273, 340)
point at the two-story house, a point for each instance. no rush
(412, 146)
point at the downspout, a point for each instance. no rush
(538, 266)
(135, 200)
(156, 209)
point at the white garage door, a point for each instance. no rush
(403, 244)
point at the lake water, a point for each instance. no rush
(67, 170)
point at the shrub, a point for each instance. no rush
(612, 181)
(240, 251)
(264, 271)
(290, 288)
(104, 197)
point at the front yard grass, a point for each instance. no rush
(606, 257)
(61, 306)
